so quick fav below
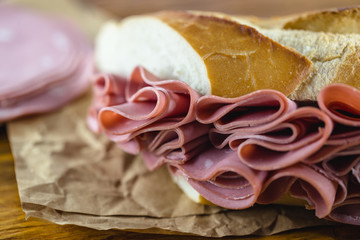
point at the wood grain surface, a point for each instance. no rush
(12, 220)
(261, 8)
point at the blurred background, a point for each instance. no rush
(261, 8)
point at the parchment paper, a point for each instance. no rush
(68, 175)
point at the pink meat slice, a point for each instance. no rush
(348, 211)
(175, 138)
(330, 150)
(109, 84)
(253, 109)
(343, 134)
(132, 146)
(50, 99)
(152, 105)
(303, 182)
(149, 106)
(174, 157)
(340, 102)
(340, 181)
(223, 180)
(108, 90)
(342, 163)
(174, 146)
(40, 55)
(340, 152)
(283, 133)
(342, 139)
(187, 151)
(137, 144)
(152, 161)
(316, 128)
(39, 48)
(356, 172)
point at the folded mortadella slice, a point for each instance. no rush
(343, 134)
(50, 98)
(253, 109)
(175, 146)
(152, 161)
(45, 62)
(141, 78)
(37, 50)
(283, 133)
(109, 85)
(340, 102)
(108, 90)
(356, 172)
(303, 182)
(136, 144)
(132, 146)
(348, 211)
(330, 149)
(188, 150)
(315, 127)
(219, 177)
(342, 163)
(174, 138)
(149, 106)
(164, 105)
(180, 155)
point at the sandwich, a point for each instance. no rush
(241, 110)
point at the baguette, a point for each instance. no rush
(343, 21)
(334, 40)
(329, 39)
(296, 62)
(335, 58)
(213, 55)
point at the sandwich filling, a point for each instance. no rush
(237, 152)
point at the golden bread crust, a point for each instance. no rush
(238, 58)
(344, 20)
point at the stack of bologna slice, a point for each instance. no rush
(44, 63)
(237, 152)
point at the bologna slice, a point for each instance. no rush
(45, 63)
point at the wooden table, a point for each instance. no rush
(12, 220)
(261, 8)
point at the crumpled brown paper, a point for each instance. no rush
(68, 175)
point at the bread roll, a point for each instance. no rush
(212, 54)
(217, 54)
(342, 20)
